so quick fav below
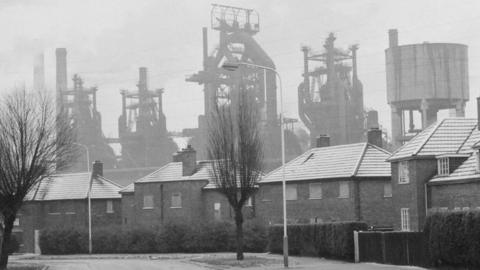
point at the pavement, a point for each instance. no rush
(215, 261)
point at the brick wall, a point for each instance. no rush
(210, 197)
(376, 209)
(412, 195)
(455, 195)
(128, 210)
(63, 214)
(302, 210)
(162, 211)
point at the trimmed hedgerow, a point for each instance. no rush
(172, 237)
(331, 240)
(454, 238)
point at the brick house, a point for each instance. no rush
(180, 191)
(435, 170)
(61, 201)
(332, 183)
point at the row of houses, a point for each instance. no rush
(437, 170)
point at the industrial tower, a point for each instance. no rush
(423, 79)
(142, 127)
(80, 103)
(236, 27)
(330, 98)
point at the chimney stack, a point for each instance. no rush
(188, 157)
(374, 137)
(61, 55)
(97, 168)
(393, 37)
(142, 82)
(323, 141)
(372, 119)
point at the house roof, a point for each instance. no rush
(173, 172)
(128, 189)
(73, 186)
(450, 135)
(341, 161)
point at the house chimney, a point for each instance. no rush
(188, 157)
(323, 141)
(393, 37)
(478, 113)
(97, 168)
(374, 137)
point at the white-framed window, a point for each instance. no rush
(176, 200)
(315, 190)
(217, 211)
(109, 206)
(343, 189)
(147, 201)
(403, 172)
(16, 222)
(405, 219)
(387, 190)
(443, 166)
(291, 192)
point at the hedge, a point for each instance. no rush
(454, 238)
(172, 237)
(330, 240)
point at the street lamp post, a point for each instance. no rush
(89, 201)
(232, 66)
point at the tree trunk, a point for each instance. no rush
(9, 220)
(239, 230)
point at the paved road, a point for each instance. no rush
(197, 262)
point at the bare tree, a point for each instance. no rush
(235, 147)
(34, 142)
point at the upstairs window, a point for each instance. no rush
(147, 201)
(315, 191)
(443, 166)
(343, 190)
(403, 172)
(387, 190)
(291, 191)
(176, 200)
(109, 206)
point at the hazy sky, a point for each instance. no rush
(108, 40)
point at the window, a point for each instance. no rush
(291, 192)
(405, 219)
(69, 208)
(387, 190)
(403, 173)
(176, 200)
(147, 201)
(16, 222)
(443, 166)
(315, 190)
(343, 190)
(53, 209)
(109, 206)
(217, 211)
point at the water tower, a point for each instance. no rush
(423, 79)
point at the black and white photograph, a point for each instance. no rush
(239, 134)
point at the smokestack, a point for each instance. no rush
(393, 37)
(38, 72)
(143, 80)
(374, 137)
(188, 157)
(323, 141)
(372, 119)
(61, 75)
(97, 168)
(478, 113)
(205, 46)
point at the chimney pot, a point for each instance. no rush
(97, 168)
(374, 137)
(323, 141)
